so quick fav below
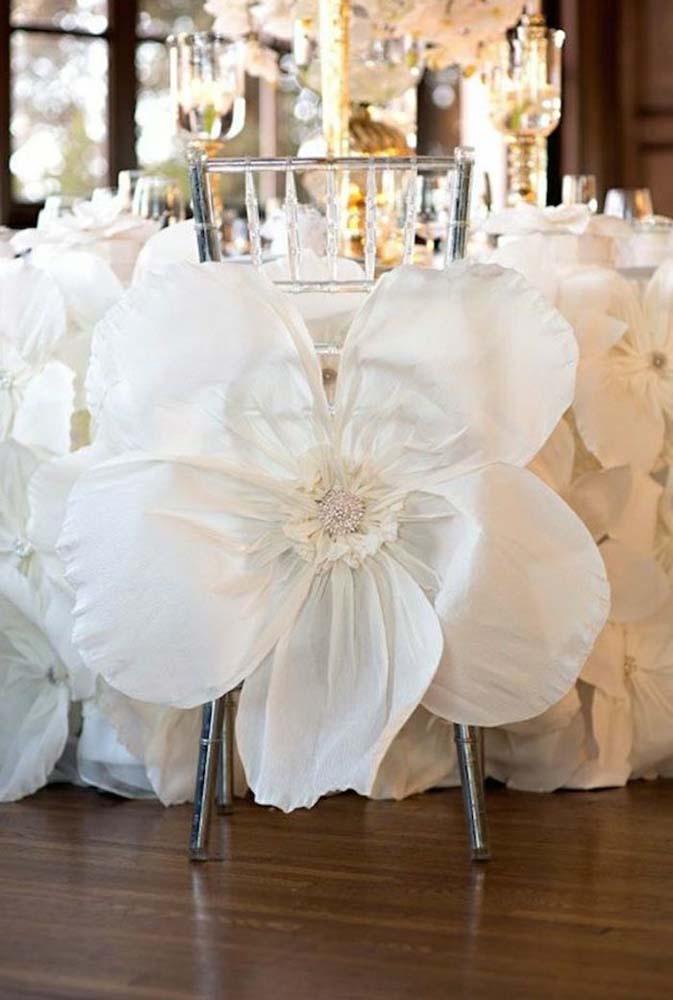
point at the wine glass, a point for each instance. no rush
(159, 199)
(579, 189)
(127, 181)
(632, 204)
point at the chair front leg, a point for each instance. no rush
(469, 746)
(210, 751)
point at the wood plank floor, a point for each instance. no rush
(354, 900)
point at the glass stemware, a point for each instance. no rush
(579, 189)
(632, 204)
(159, 199)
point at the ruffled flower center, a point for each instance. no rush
(630, 665)
(345, 520)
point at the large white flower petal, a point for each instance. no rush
(88, 285)
(602, 306)
(638, 585)
(42, 420)
(529, 256)
(524, 597)
(604, 669)
(327, 316)
(555, 460)
(205, 358)
(171, 607)
(659, 304)
(422, 756)
(618, 426)
(104, 762)
(172, 245)
(165, 739)
(637, 524)
(439, 370)
(611, 730)
(33, 707)
(649, 681)
(32, 311)
(600, 498)
(320, 713)
(541, 754)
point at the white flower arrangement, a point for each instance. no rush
(455, 32)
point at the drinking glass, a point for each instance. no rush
(632, 204)
(580, 189)
(159, 199)
(127, 181)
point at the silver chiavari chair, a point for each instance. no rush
(215, 771)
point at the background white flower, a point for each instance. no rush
(35, 694)
(625, 379)
(36, 391)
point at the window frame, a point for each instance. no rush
(122, 38)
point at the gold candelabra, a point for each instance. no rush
(524, 81)
(334, 28)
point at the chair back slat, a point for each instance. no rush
(410, 216)
(370, 222)
(379, 174)
(332, 221)
(252, 213)
(292, 225)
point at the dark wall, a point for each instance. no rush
(618, 94)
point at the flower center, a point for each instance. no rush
(5, 379)
(56, 674)
(22, 548)
(340, 512)
(658, 360)
(629, 665)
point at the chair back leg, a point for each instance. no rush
(469, 745)
(225, 782)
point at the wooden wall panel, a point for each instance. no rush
(618, 97)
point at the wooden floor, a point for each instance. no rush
(354, 900)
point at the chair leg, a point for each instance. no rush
(210, 748)
(225, 783)
(470, 760)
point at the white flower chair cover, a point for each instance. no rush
(346, 562)
(217, 736)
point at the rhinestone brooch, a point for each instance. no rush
(22, 548)
(340, 512)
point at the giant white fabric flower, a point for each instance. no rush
(422, 756)
(582, 742)
(347, 569)
(36, 391)
(619, 508)
(35, 693)
(625, 379)
(632, 719)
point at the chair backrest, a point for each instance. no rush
(457, 169)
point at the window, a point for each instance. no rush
(84, 93)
